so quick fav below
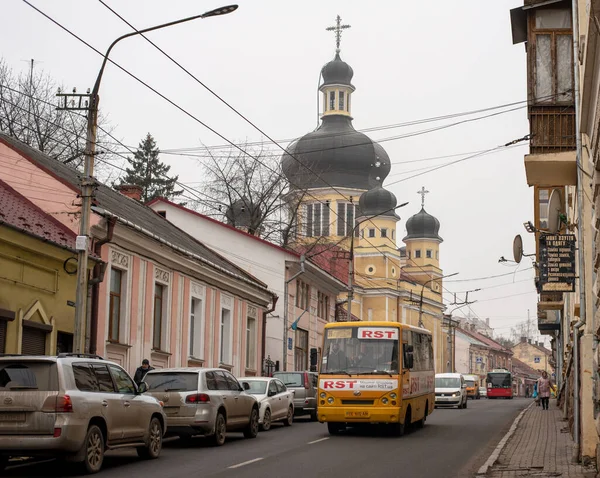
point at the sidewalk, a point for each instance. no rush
(541, 446)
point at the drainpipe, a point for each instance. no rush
(97, 278)
(286, 300)
(264, 331)
(580, 227)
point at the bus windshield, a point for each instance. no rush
(360, 350)
(499, 380)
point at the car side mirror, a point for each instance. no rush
(245, 385)
(142, 388)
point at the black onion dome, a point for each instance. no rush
(335, 154)
(337, 72)
(242, 213)
(377, 202)
(423, 226)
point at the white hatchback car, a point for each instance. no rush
(276, 401)
(450, 390)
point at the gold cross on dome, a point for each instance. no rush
(338, 32)
(422, 192)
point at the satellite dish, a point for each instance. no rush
(554, 211)
(518, 248)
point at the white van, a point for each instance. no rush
(450, 390)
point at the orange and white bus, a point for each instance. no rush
(376, 373)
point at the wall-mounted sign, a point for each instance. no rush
(290, 342)
(557, 263)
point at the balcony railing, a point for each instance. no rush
(552, 128)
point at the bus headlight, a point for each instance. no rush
(384, 400)
(330, 400)
(323, 395)
(393, 396)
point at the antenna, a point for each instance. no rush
(518, 248)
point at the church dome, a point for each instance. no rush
(423, 226)
(242, 214)
(335, 154)
(337, 72)
(377, 202)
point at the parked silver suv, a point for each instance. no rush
(304, 385)
(204, 401)
(75, 407)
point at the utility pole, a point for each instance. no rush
(422, 291)
(351, 276)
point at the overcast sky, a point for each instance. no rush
(411, 60)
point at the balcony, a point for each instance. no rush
(548, 321)
(550, 301)
(552, 160)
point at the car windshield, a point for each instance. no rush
(500, 380)
(447, 382)
(470, 383)
(291, 379)
(25, 375)
(172, 381)
(361, 350)
(257, 387)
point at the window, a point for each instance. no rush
(221, 381)
(371, 232)
(211, 381)
(281, 388)
(105, 381)
(418, 254)
(122, 380)
(225, 345)
(429, 253)
(114, 308)
(553, 61)
(323, 305)
(302, 295)
(272, 389)
(437, 255)
(393, 234)
(317, 219)
(301, 350)
(332, 100)
(383, 232)
(85, 379)
(342, 106)
(251, 343)
(232, 382)
(348, 102)
(346, 219)
(422, 351)
(325, 101)
(544, 203)
(159, 291)
(196, 328)
(162, 213)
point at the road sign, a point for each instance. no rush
(536, 359)
(479, 360)
(557, 263)
(289, 343)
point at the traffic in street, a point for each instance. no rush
(453, 443)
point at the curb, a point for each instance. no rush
(496, 453)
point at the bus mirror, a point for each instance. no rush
(313, 358)
(409, 360)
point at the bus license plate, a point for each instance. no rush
(12, 416)
(357, 414)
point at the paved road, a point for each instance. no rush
(453, 443)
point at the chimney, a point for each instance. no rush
(132, 191)
(523, 340)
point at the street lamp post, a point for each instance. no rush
(351, 264)
(423, 289)
(87, 181)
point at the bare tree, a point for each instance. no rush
(250, 194)
(28, 113)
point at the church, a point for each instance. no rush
(337, 174)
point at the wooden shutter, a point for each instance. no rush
(34, 341)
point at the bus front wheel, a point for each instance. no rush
(335, 428)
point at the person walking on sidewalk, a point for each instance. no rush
(544, 385)
(141, 372)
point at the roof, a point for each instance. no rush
(541, 349)
(488, 341)
(423, 226)
(331, 259)
(470, 338)
(18, 212)
(523, 368)
(127, 208)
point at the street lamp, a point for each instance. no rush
(87, 182)
(351, 265)
(423, 289)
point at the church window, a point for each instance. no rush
(325, 219)
(384, 232)
(341, 93)
(325, 101)
(348, 103)
(429, 253)
(317, 219)
(371, 270)
(418, 254)
(346, 219)
(332, 100)
(371, 232)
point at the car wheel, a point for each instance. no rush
(421, 423)
(466, 404)
(94, 450)
(266, 424)
(155, 434)
(251, 430)
(290, 417)
(335, 428)
(218, 438)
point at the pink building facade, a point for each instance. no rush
(163, 295)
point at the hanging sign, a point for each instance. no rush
(557, 263)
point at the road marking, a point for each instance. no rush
(245, 463)
(317, 441)
(496, 453)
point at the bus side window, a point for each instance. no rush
(408, 356)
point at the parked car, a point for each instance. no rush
(74, 406)
(304, 385)
(204, 401)
(450, 390)
(472, 382)
(276, 402)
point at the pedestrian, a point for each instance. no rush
(535, 395)
(544, 386)
(141, 372)
(527, 391)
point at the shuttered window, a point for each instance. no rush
(34, 341)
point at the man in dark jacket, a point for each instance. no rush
(141, 372)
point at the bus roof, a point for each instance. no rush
(376, 323)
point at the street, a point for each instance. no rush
(453, 443)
